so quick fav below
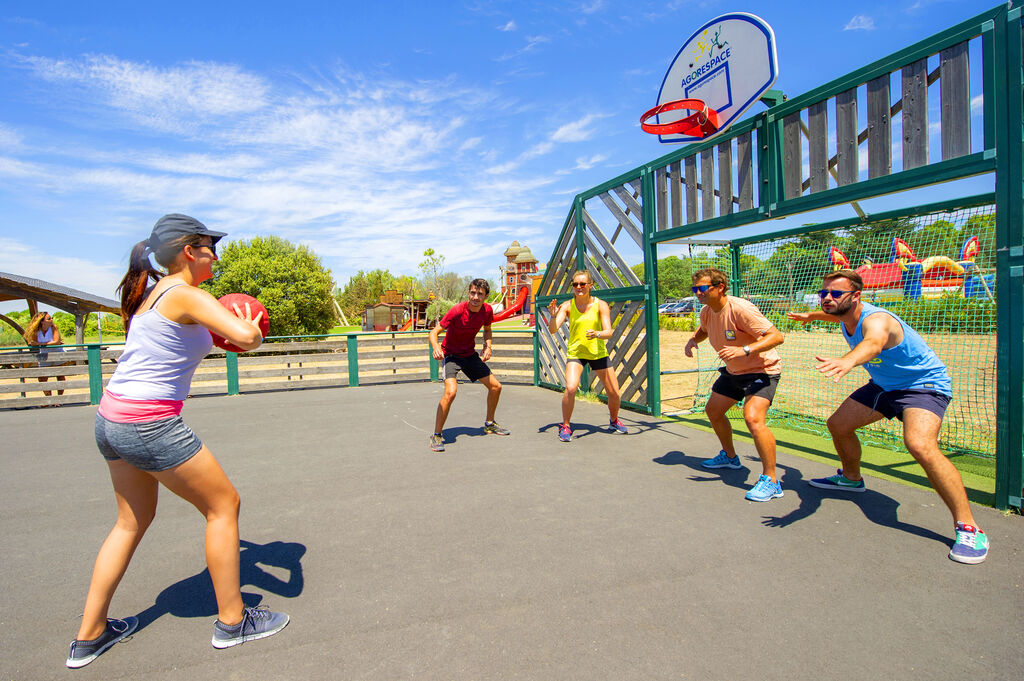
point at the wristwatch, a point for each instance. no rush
(746, 349)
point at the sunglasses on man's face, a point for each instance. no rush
(703, 288)
(835, 293)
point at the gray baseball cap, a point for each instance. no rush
(175, 225)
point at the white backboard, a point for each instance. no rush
(729, 62)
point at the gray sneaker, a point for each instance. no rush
(493, 428)
(256, 623)
(84, 652)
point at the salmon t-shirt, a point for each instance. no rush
(740, 323)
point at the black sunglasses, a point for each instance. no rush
(580, 284)
(835, 293)
(212, 247)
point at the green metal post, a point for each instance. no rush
(651, 284)
(435, 367)
(353, 360)
(581, 246)
(1006, 37)
(736, 285)
(231, 363)
(95, 373)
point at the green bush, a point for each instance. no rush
(685, 323)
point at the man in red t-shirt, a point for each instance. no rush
(458, 353)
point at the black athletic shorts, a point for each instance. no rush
(738, 386)
(471, 365)
(596, 364)
(891, 403)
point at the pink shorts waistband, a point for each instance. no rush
(124, 410)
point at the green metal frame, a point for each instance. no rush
(1003, 154)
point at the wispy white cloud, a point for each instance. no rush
(593, 6)
(860, 22)
(576, 131)
(532, 41)
(510, 26)
(586, 163)
(100, 279)
(336, 161)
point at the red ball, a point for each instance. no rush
(229, 301)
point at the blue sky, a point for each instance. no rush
(367, 131)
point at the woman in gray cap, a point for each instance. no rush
(140, 433)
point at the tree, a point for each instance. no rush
(432, 267)
(364, 289)
(289, 280)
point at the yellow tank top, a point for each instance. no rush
(581, 347)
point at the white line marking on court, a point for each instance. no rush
(422, 430)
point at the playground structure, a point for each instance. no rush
(954, 120)
(907, 276)
(518, 281)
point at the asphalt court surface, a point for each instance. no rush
(520, 557)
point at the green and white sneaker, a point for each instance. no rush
(839, 482)
(493, 428)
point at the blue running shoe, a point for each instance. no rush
(765, 490)
(564, 433)
(971, 545)
(838, 481)
(84, 652)
(618, 426)
(723, 460)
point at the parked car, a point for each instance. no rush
(683, 307)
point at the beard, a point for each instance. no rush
(843, 306)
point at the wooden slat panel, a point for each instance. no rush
(707, 181)
(955, 101)
(817, 145)
(624, 220)
(792, 156)
(745, 171)
(690, 164)
(628, 199)
(593, 229)
(725, 178)
(661, 197)
(915, 114)
(610, 278)
(302, 371)
(879, 128)
(846, 137)
(676, 188)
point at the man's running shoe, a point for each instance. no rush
(564, 433)
(971, 545)
(618, 426)
(256, 623)
(838, 481)
(437, 442)
(723, 460)
(84, 652)
(493, 428)
(765, 490)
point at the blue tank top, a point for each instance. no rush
(911, 365)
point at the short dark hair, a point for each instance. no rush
(855, 280)
(718, 277)
(482, 284)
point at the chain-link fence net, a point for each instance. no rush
(936, 272)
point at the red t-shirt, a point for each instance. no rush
(461, 326)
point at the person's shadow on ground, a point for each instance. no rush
(194, 597)
(733, 477)
(876, 507)
(578, 429)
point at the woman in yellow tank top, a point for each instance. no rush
(589, 325)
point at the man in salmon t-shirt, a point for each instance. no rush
(745, 340)
(458, 353)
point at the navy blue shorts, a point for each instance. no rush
(152, 446)
(891, 403)
(474, 367)
(598, 364)
(738, 386)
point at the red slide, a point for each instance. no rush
(520, 301)
(405, 327)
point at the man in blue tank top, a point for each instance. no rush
(908, 382)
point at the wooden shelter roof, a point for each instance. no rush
(14, 287)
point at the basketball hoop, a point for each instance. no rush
(701, 123)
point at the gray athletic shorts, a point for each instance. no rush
(152, 446)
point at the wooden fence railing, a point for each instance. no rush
(279, 364)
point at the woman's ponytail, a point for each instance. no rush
(133, 287)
